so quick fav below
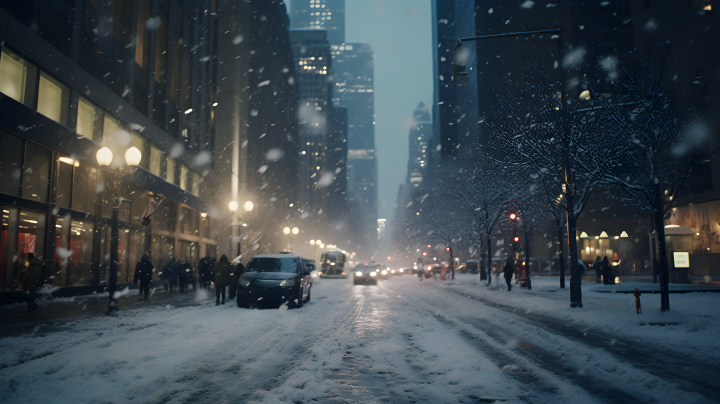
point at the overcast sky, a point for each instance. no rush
(400, 33)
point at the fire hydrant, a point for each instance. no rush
(637, 301)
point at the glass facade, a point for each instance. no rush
(11, 167)
(36, 172)
(17, 78)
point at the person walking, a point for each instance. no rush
(607, 272)
(186, 275)
(223, 277)
(598, 267)
(32, 280)
(202, 271)
(509, 269)
(143, 273)
(237, 273)
(170, 274)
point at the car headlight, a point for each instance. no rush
(287, 282)
(332, 263)
(244, 282)
(384, 272)
(342, 273)
(401, 270)
(392, 271)
(358, 273)
(373, 273)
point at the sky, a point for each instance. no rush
(400, 33)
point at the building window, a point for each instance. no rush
(175, 74)
(36, 173)
(85, 188)
(17, 78)
(156, 161)
(11, 167)
(170, 172)
(184, 177)
(89, 120)
(110, 125)
(161, 49)
(196, 184)
(142, 44)
(63, 186)
(139, 142)
(53, 98)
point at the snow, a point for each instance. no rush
(400, 341)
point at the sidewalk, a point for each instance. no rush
(58, 312)
(690, 327)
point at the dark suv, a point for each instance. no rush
(272, 280)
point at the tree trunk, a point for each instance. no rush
(527, 254)
(489, 260)
(659, 222)
(561, 255)
(575, 273)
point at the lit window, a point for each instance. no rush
(184, 177)
(110, 125)
(156, 159)
(170, 172)
(53, 98)
(17, 78)
(196, 184)
(89, 120)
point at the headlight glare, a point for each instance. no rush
(358, 273)
(373, 273)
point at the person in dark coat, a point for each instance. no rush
(223, 277)
(607, 272)
(170, 274)
(143, 273)
(598, 267)
(32, 279)
(237, 273)
(508, 270)
(186, 276)
(202, 269)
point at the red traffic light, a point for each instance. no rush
(447, 248)
(516, 239)
(429, 246)
(424, 254)
(513, 216)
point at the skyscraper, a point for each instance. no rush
(326, 15)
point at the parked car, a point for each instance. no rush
(365, 273)
(275, 279)
(311, 266)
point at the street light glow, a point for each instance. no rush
(104, 156)
(312, 242)
(233, 206)
(295, 230)
(286, 230)
(133, 156)
(249, 206)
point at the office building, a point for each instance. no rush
(328, 15)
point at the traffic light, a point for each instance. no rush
(513, 216)
(447, 248)
(424, 254)
(429, 246)
(516, 239)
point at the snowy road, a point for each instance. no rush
(402, 341)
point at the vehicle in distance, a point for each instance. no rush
(383, 272)
(472, 266)
(333, 264)
(365, 274)
(275, 279)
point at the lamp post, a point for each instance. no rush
(460, 78)
(295, 231)
(104, 157)
(315, 244)
(233, 206)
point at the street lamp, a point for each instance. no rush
(294, 232)
(104, 157)
(248, 207)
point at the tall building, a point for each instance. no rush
(163, 81)
(420, 147)
(328, 15)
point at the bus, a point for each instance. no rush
(333, 264)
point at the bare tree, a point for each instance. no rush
(659, 138)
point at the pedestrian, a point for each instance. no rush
(237, 273)
(143, 273)
(32, 280)
(607, 272)
(509, 269)
(186, 275)
(170, 274)
(202, 270)
(223, 277)
(598, 267)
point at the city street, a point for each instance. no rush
(401, 341)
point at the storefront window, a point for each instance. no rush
(10, 169)
(190, 251)
(156, 161)
(61, 259)
(140, 201)
(53, 98)
(189, 221)
(89, 120)
(136, 250)
(85, 188)
(79, 268)
(31, 237)
(63, 188)
(17, 78)
(163, 249)
(164, 218)
(36, 173)
(8, 247)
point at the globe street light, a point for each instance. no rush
(233, 206)
(104, 157)
(295, 231)
(248, 206)
(286, 230)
